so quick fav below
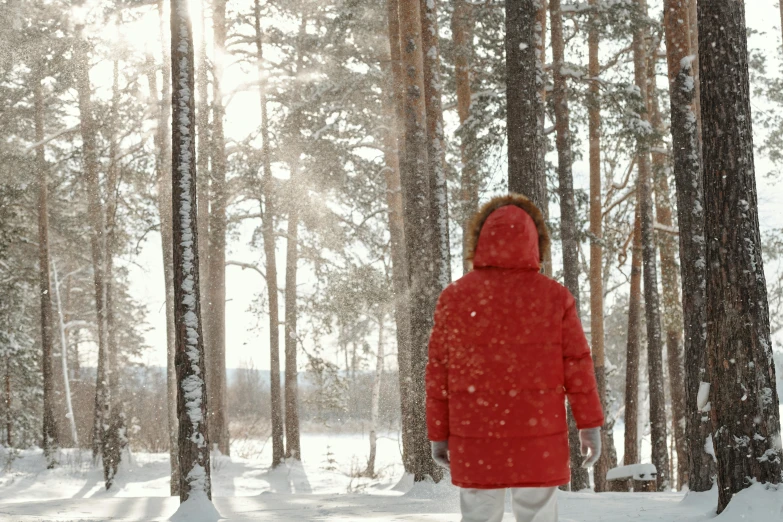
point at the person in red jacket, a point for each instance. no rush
(506, 349)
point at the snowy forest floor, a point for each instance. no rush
(323, 487)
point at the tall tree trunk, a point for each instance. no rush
(523, 82)
(292, 440)
(596, 250)
(543, 139)
(690, 218)
(436, 150)
(631, 451)
(693, 34)
(163, 174)
(672, 312)
(376, 398)
(218, 423)
(191, 393)
(114, 440)
(462, 23)
(50, 435)
(568, 223)
(745, 415)
(418, 231)
(97, 238)
(202, 190)
(270, 252)
(658, 428)
(392, 144)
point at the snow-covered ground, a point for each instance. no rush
(323, 487)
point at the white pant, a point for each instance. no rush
(528, 504)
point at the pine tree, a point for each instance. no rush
(631, 446)
(670, 280)
(439, 208)
(523, 83)
(393, 141)
(270, 253)
(163, 176)
(745, 415)
(660, 457)
(690, 218)
(418, 229)
(596, 252)
(50, 436)
(217, 242)
(462, 24)
(192, 408)
(568, 218)
(97, 237)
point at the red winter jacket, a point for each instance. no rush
(506, 349)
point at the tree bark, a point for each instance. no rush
(745, 415)
(270, 252)
(436, 150)
(97, 237)
(418, 230)
(690, 218)
(658, 428)
(292, 439)
(203, 193)
(672, 312)
(191, 393)
(393, 138)
(631, 451)
(216, 375)
(568, 221)
(596, 250)
(163, 174)
(462, 23)
(50, 435)
(523, 83)
(114, 440)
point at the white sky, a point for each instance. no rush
(244, 341)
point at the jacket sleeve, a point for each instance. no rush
(436, 378)
(580, 384)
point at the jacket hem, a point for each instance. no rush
(547, 484)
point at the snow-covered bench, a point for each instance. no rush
(643, 473)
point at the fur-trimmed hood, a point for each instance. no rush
(502, 236)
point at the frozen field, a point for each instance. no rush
(322, 488)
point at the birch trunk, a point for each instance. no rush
(270, 252)
(376, 399)
(745, 415)
(191, 392)
(64, 358)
